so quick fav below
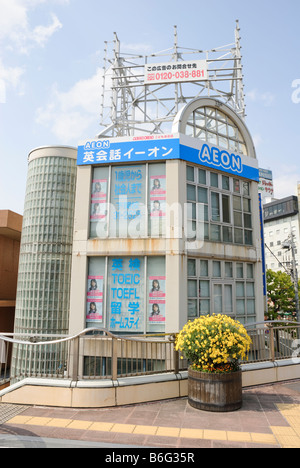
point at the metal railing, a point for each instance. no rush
(98, 354)
(273, 341)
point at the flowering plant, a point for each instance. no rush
(213, 343)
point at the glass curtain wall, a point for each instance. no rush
(42, 305)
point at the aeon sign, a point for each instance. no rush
(94, 145)
(221, 158)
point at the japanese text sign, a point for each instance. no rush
(175, 72)
(116, 151)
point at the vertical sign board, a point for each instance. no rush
(265, 186)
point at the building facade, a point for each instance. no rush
(281, 224)
(167, 227)
(10, 235)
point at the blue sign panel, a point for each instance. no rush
(107, 151)
(218, 158)
(162, 148)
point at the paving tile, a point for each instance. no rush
(264, 438)
(289, 441)
(239, 436)
(58, 422)
(19, 420)
(38, 421)
(283, 431)
(293, 421)
(123, 428)
(194, 443)
(101, 426)
(191, 433)
(77, 424)
(215, 435)
(146, 430)
(168, 431)
(162, 441)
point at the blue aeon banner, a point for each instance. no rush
(166, 147)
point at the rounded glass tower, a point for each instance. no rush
(42, 305)
(43, 290)
(46, 244)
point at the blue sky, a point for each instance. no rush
(51, 53)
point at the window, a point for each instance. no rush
(222, 288)
(129, 201)
(215, 127)
(118, 290)
(225, 207)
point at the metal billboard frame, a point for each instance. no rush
(129, 106)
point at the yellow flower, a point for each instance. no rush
(212, 340)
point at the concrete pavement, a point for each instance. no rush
(269, 418)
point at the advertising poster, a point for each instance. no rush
(265, 186)
(98, 200)
(128, 197)
(126, 294)
(157, 299)
(176, 72)
(158, 196)
(94, 309)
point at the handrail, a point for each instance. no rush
(106, 355)
(68, 338)
(83, 332)
(248, 325)
(4, 336)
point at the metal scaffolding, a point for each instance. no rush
(131, 106)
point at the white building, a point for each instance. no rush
(163, 223)
(138, 268)
(281, 221)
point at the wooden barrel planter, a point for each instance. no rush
(215, 392)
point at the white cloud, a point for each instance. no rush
(285, 184)
(10, 78)
(13, 18)
(41, 34)
(266, 98)
(17, 33)
(11, 75)
(70, 114)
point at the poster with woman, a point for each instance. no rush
(94, 310)
(157, 299)
(158, 196)
(99, 189)
(99, 200)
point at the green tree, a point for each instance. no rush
(281, 293)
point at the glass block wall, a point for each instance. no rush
(42, 305)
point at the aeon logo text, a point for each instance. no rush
(99, 144)
(220, 158)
